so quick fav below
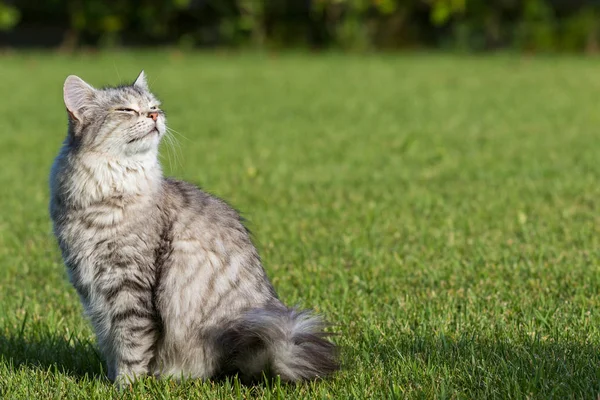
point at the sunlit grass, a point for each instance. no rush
(442, 212)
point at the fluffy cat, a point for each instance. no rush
(167, 273)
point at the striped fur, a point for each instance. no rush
(167, 273)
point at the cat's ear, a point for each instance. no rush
(77, 94)
(141, 82)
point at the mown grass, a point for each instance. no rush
(441, 211)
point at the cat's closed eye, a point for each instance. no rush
(129, 110)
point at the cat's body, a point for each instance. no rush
(167, 274)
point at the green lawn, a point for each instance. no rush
(442, 212)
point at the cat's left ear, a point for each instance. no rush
(141, 82)
(77, 95)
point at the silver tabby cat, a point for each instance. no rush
(166, 273)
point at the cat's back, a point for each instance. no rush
(208, 255)
(199, 216)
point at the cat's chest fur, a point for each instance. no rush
(103, 243)
(113, 231)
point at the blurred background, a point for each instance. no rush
(467, 25)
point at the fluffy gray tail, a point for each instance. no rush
(278, 341)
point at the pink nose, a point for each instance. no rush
(153, 115)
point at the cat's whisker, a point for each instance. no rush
(177, 133)
(167, 153)
(173, 150)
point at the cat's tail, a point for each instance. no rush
(280, 341)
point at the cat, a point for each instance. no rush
(167, 274)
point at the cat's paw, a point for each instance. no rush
(124, 379)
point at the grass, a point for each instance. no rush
(442, 211)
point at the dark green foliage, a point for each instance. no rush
(531, 25)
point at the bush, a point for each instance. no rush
(530, 25)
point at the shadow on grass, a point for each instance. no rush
(484, 368)
(80, 359)
(55, 352)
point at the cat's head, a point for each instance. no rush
(122, 121)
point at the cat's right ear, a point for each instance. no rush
(77, 94)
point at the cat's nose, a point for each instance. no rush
(153, 115)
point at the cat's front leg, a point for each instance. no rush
(134, 342)
(111, 370)
(129, 334)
